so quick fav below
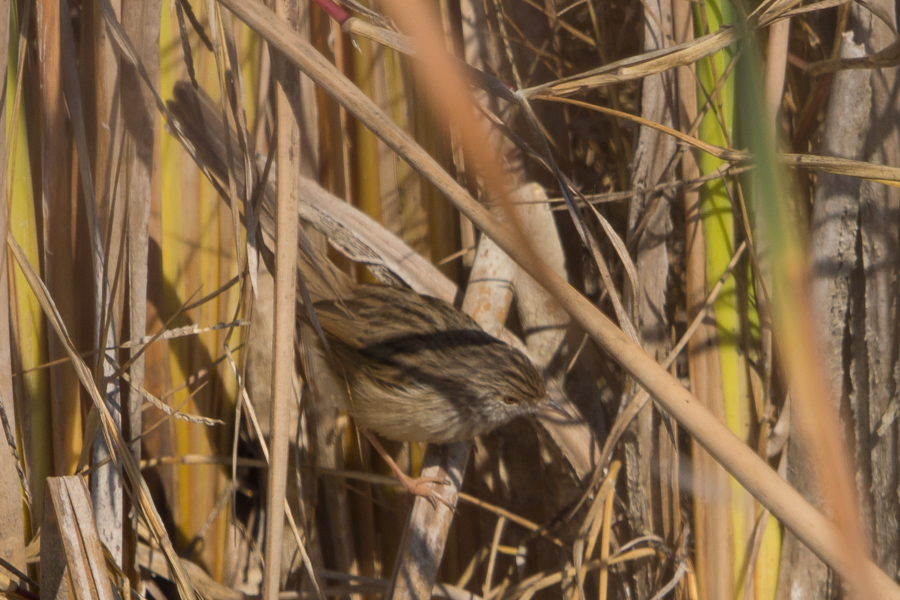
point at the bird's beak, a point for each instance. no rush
(551, 409)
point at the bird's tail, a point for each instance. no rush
(219, 151)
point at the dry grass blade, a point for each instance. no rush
(12, 541)
(71, 550)
(599, 515)
(604, 541)
(287, 233)
(689, 185)
(843, 166)
(492, 556)
(717, 151)
(168, 410)
(770, 10)
(383, 36)
(541, 581)
(115, 443)
(630, 272)
(362, 239)
(177, 332)
(638, 67)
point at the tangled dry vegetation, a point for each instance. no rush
(643, 199)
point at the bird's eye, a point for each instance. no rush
(510, 400)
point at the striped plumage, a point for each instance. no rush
(414, 368)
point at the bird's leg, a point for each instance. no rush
(420, 486)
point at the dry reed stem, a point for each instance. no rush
(287, 233)
(112, 435)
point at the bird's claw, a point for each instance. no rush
(422, 486)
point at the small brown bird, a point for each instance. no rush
(416, 369)
(409, 367)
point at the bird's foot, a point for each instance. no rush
(419, 486)
(424, 487)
